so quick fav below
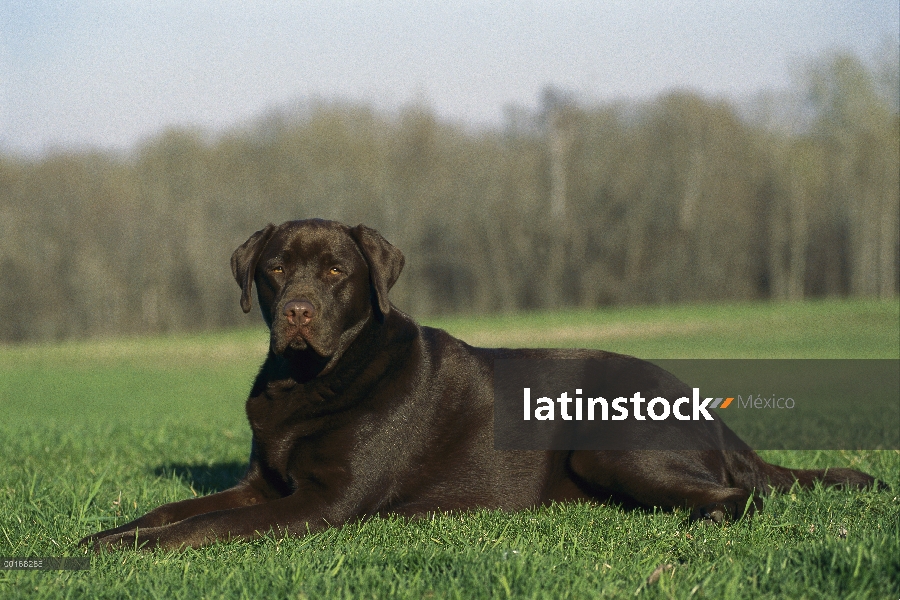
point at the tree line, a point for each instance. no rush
(680, 199)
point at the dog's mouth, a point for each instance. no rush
(315, 351)
(296, 340)
(297, 343)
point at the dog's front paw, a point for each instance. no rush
(127, 540)
(711, 513)
(88, 540)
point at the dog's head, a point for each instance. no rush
(318, 282)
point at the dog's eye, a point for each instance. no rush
(335, 271)
(278, 269)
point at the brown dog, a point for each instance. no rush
(358, 411)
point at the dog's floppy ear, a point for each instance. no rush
(385, 263)
(244, 259)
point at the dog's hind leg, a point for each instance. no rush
(697, 481)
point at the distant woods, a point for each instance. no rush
(681, 199)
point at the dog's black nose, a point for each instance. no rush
(299, 312)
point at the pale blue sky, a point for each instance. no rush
(109, 74)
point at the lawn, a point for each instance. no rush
(96, 433)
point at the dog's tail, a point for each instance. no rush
(750, 472)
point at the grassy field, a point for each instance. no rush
(97, 433)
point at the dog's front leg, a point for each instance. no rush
(282, 516)
(241, 495)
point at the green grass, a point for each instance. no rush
(89, 439)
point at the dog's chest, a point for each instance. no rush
(295, 440)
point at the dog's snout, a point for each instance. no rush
(299, 312)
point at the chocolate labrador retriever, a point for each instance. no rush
(358, 411)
